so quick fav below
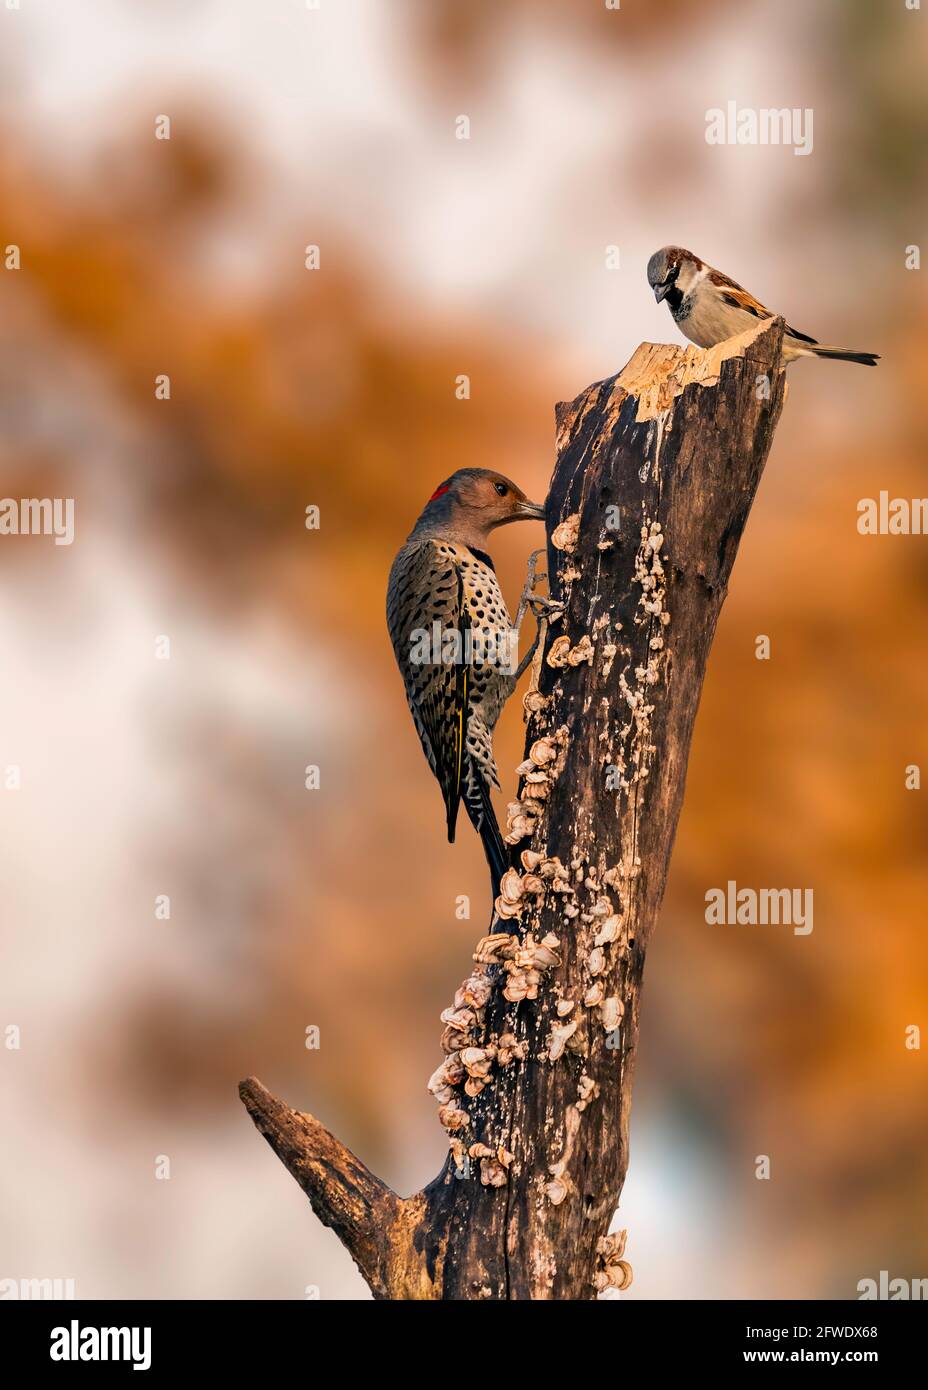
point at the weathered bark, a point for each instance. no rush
(677, 444)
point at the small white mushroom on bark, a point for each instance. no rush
(596, 961)
(612, 1271)
(452, 1040)
(557, 656)
(479, 1150)
(594, 995)
(493, 948)
(538, 954)
(542, 751)
(454, 1072)
(516, 987)
(445, 1078)
(509, 1049)
(443, 1093)
(557, 1039)
(533, 702)
(552, 869)
(582, 652)
(611, 1013)
(492, 1170)
(453, 1117)
(510, 886)
(556, 1191)
(461, 1020)
(609, 931)
(477, 1061)
(473, 992)
(612, 1246)
(617, 1276)
(565, 535)
(507, 910)
(587, 1090)
(520, 822)
(492, 1173)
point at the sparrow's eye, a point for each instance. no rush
(501, 488)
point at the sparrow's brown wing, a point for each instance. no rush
(740, 298)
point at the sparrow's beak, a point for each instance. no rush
(532, 511)
(661, 291)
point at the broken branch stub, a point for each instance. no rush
(656, 472)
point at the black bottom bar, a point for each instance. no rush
(69, 1338)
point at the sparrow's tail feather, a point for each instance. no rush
(867, 359)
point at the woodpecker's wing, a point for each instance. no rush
(428, 622)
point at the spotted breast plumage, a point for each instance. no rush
(453, 640)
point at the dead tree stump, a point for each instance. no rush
(656, 472)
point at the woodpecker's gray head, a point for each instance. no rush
(672, 267)
(475, 501)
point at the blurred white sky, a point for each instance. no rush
(565, 155)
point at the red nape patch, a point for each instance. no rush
(439, 491)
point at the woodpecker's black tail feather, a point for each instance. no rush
(480, 809)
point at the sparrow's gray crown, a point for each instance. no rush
(659, 267)
(664, 268)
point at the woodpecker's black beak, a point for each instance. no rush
(532, 511)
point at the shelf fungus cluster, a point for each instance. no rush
(649, 573)
(563, 652)
(633, 764)
(564, 537)
(612, 1271)
(470, 1058)
(539, 771)
(512, 962)
(566, 534)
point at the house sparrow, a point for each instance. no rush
(709, 308)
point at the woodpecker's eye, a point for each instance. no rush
(501, 488)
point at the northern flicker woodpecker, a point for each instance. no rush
(454, 641)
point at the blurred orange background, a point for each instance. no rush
(336, 387)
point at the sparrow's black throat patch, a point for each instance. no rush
(674, 299)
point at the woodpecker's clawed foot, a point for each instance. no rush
(544, 610)
(531, 579)
(549, 608)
